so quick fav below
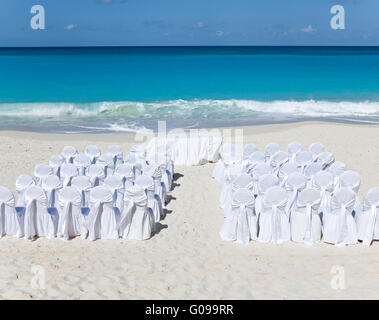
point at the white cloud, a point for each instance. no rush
(308, 29)
(200, 24)
(70, 26)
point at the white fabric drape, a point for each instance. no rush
(293, 149)
(96, 174)
(252, 161)
(68, 153)
(41, 171)
(259, 170)
(51, 185)
(336, 169)
(106, 161)
(116, 153)
(325, 159)
(11, 222)
(147, 183)
(323, 181)
(23, 182)
(273, 221)
(270, 150)
(38, 221)
(241, 223)
(56, 162)
(339, 226)
(71, 220)
(93, 152)
(285, 171)
(295, 183)
(302, 159)
(125, 172)
(310, 171)
(102, 219)
(159, 187)
(316, 148)
(82, 162)
(305, 219)
(114, 183)
(68, 171)
(277, 160)
(83, 185)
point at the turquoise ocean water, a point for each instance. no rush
(125, 89)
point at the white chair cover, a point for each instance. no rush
(56, 162)
(102, 219)
(159, 187)
(316, 148)
(106, 161)
(265, 182)
(231, 171)
(71, 220)
(303, 159)
(136, 223)
(96, 174)
(274, 224)
(68, 153)
(310, 171)
(336, 169)
(116, 153)
(147, 183)
(68, 171)
(114, 183)
(38, 221)
(228, 149)
(41, 171)
(277, 160)
(350, 179)
(210, 145)
(83, 185)
(259, 170)
(11, 223)
(305, 219)
(138, 151)
(295, 183)
(270, 150)
(23, 182)
(241, 223)
(285, 171)
(93, 152)
(248, 150)
(323, 181)
(368, 219)
(51, 185)
(340, 227)
(82, 162)
(325, 159)
(126, 173)
(166, 177)
(253, 160)
(293, 149)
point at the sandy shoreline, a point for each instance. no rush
(187, 259)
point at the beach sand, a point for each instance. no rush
(187, 259)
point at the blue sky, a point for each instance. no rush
(188, 22)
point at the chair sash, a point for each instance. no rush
(276, 211)
(370, 227)
(343, 221)
(240, 211)
(310, 208)
(66, 214)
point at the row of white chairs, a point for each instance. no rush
(327, 181)
(46, 202)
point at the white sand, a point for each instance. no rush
(187, 259)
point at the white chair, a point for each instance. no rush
(274, 223)
(367, 220)
(303, 159)
(340, 228)
(83, 185)
(41, 171)
(265, 182)
(102, 219)
(293, 149)
(114, 183)
(252, 161)
(147, 183)
(278, 160)
(159, 187)
(68, 171)
(11, 222)
(350, 179)
(243, 181)
(138, 151)
(325, 159)
(259, 170)
(305, 219)
(96, 174)
(38, 220)
(248, 150)
(137, 223)
(93, 152)
(23, 182)
(310, 170)
(71, 219)
(295, 183)
(126, 173)
(51, 185)
(285, 171)
(56, 162)
(232, 170)
(166, 177)
(228, 153)
(68, 153)
(316, 148)
(323, 182)
(107, 163)
(116, 153)
(269, 150)
(82, 162)
(336, 169)
(241, 223)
